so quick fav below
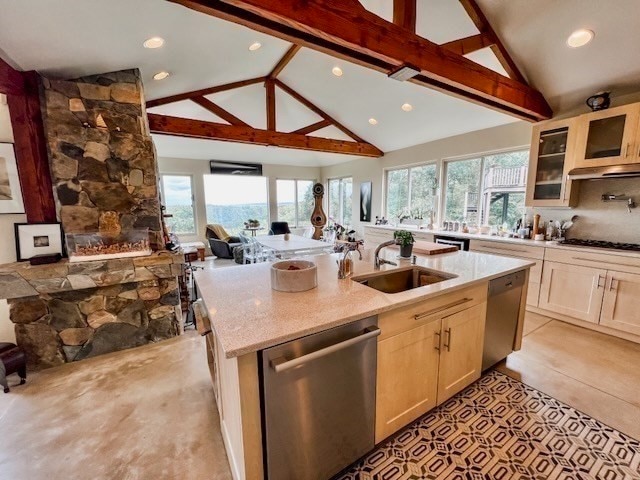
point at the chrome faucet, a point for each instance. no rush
(345, 264)
(378, 262)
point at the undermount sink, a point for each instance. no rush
(401, 280)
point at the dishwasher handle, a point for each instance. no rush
(281, 364)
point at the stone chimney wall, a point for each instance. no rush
(103, 162)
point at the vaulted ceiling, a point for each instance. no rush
(71, 38)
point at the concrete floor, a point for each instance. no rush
(149, 413)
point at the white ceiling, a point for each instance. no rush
(71, 38)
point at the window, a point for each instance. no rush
(231, 200)
(295, 201)
(486, 190)
(177, 196)
(340, 200)
(411, 190)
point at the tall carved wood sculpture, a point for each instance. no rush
(318, 217)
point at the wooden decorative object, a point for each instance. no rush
(318, 217)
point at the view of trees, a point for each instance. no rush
(340, 200)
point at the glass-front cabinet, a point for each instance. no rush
(608, 137)
(552, 156)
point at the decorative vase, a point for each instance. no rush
(405, 250)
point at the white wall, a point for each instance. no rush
(7, 239)
(198, 168)
(504, 137)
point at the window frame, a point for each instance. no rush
(340, 197)
(409, 167)
(295, 196)
(193, 199)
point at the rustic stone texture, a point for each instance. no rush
(116, 304)
(97, 151)
(163, 328)
(92, 304)
(168, 285)
(79, 282)
(27, 311)
(113, 337)
(159, 312)
(130, 295)
(79, 219)
(67, 196)
(65, 315)
(160, 271)
(170, 298)
(94, 92)
(76, 105)
(90, 169)
(125, 93)
(99, 318)
(135, 314)
(109, 196)
(65, 168)
(149, 293)
(52, 270)
(76, 336)
(136, 177)
(41, 343)
(71, 352)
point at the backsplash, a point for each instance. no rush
(600, 220)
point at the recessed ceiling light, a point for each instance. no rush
(373, 121)
(161, 75)
(255, 46)
(407, 107)
(337, 71)
(153, 42)
(580, 38)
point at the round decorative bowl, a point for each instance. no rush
(294, 276)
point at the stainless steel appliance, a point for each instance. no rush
(319, 401)
(503, 309)
(461, 243)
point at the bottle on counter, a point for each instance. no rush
(550, 231)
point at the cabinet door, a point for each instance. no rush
(608, 137)
(620, 305)
(552, 156)
(461, 357)
(572, 290)
(407, 378)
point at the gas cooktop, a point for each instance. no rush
(576, 242)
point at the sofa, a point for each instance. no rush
(222, 244)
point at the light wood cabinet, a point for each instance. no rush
(572, 290)
(552, 156)
(620, 305)
(608, 137)
(461, 351)
(407, 377)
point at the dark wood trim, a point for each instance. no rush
(270, 87)
(313, 127)
(317, 110)
(30, 145)
(284, 61)
(482, 24)
(404, 14)
(184, 127)
(11, 81)
(218, 110)
(470, 44)
(205, 91)
(346, 30)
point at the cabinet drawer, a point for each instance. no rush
(608, 260)
(405, 318)
(427, 237)
(509, 249)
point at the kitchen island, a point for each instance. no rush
(247, 317)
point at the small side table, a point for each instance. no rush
(253, 230)
(193, 247)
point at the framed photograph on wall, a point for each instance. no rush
(38, 239)
(10, 193)
(365, 201)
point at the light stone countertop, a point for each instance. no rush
(247, 315)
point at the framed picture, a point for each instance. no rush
(10, 193)
(365, 201)
(38, 239)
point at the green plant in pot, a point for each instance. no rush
(405, 240)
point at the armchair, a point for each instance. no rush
(222, 244)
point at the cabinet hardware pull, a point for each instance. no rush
(281, 364)
(437, 334)
(609, 262)
(611, 284)
(626, 150)
(600, 278)
(448, 341)
(503, 248)
(441, 309)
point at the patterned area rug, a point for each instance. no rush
(499, 428)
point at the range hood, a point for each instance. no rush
(611, 171)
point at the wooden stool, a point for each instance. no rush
(12, 360)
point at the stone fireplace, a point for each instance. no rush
(105, 179)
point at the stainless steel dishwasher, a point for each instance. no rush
(503, 309)
(319, 401)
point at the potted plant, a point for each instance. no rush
(405, 240)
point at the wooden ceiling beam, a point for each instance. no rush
(218, 111)
(482, 24)
(404, 14)
(205, 91)
(471, 44)
(313, 127)
(346, 30)
(284, 61)
(11, 80)
(270, 87)
(184, 127)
